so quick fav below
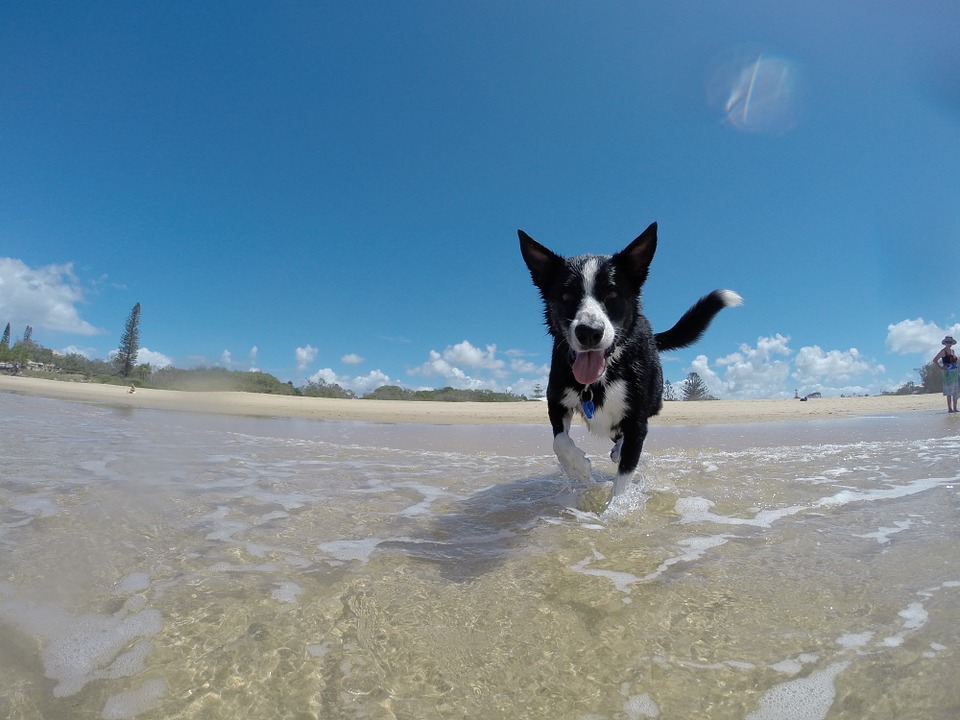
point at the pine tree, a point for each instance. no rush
(5, 341)
(669, 393)
(695, 388)
(28, 336)
(129, 343)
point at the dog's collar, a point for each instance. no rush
(586, 402)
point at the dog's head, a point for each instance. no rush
(590, 301)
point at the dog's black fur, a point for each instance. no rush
(604, 350)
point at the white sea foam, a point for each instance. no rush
(430, 494)
(695, 547)
(132, 583)
(621, 580)
(914, 615)
(855, 641)
(344, 550)
(882, 535)
(845, 497)
(83, 648)
(808, 698)
(35, 506)
(639, 706)
(286, 592)
(791, 666)
(130, 703)
(697, 509)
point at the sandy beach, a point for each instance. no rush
(448, 413)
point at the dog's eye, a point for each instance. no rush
(611, 296)
(567, 297)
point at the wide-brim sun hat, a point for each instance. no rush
(948, 340)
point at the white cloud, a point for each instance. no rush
(917, 337)
(325, 375)
(525, 367)
(450, 363)
(769, 371)
(44, 297)
(88, 353)
(536, 388)
(156, 360)
(701, 366)
(833, 367)
(360, 384)
(352, 359)
(437, 366)
(371, 381)
(464, 353)
(249, 364)
(752, 372)
(519, 365)
(305, 356)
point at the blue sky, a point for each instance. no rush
(333, 190)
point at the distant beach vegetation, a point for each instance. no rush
(27, 357)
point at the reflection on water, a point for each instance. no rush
(159, 565)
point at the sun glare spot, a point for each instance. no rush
(756, 93)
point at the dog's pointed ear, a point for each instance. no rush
(541, 262)
(635, 259)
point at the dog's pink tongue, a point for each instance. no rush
(589, 366)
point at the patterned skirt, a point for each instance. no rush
(951, 383)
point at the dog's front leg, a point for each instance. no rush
(572, 459)
(630, 445)
(615, 452)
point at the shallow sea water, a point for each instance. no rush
(166, 565)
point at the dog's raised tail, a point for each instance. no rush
(695, 321)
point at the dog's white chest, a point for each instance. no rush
(606, 416)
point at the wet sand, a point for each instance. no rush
(449, 413)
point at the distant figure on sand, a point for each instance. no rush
(951, 373)
(133, 389)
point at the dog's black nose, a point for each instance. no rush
(588, 336)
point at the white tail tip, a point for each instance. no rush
(730, 298)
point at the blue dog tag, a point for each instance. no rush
(588, 408)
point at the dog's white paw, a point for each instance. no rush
(615, 453)
(621, 483)
(572, 459)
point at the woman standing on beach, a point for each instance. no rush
(951, 372)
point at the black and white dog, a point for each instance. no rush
(606, 362)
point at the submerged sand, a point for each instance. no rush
(449, 413)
